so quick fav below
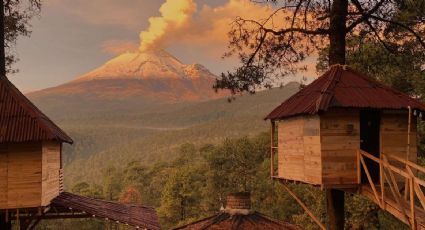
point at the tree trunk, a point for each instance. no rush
(337, 34)
(335, 209)
(2, 42)
(3, 224)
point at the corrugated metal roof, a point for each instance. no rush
(134, 215)
(21, 120)
(343, 87)
(253, 221)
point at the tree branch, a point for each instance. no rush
(413, 32)
(365, 16)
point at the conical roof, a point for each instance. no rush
(22, 121)
(239, 215)
(343, 87)
(253, 221)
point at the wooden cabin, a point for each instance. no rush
(31, 179)
(318, 132)
(30, 152)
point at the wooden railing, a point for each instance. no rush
(395, 175)
(61, 180)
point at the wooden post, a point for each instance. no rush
(335, 209)
(412, 202)
(408, 134)
(272, 148)
(381, 179)
(406, 185)
(359, 169)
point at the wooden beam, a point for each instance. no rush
(385, 163)
(67, 216)
(397, 196)
(359, 171)
(372, 185)
(381, 181)
(417, 188)
(315, 219)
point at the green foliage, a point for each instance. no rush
(402, 70)
(195, 184)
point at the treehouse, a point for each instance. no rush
(318, 132)
(30, 152)
(31, 179)
(347, 131)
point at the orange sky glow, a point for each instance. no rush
(73, 37)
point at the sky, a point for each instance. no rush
(73, 37)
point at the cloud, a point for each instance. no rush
(116, 47)
(174, 15)
(205, 27)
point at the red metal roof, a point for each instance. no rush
(21, 120)
(134, 215)
(253, 221)
(343, 87)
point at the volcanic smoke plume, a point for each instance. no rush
(174, 14)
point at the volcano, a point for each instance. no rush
(151, 76)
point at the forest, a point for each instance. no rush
(183, 159)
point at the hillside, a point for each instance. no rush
(103, 140)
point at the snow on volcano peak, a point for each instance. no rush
(149, 64)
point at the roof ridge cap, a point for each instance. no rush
(331, 83)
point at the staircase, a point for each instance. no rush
(399, 190)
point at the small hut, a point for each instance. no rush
(318, 132)
(31, 178)
(238, 215)
(30, 152)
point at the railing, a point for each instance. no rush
(390, 176)
(61, 180)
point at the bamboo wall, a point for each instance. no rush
(28, 174)
(340, 140)
(299, 149)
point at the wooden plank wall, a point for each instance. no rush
(24, 175)
(50, 173)
(3, 176)
(394, 134)
(299, 149)
(312, 154)
(339, 146)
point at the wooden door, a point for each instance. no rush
(370, 122)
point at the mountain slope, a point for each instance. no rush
(144, 79)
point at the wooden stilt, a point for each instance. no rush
(315, 219)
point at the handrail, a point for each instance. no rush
(387, 180)
(406, 162)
